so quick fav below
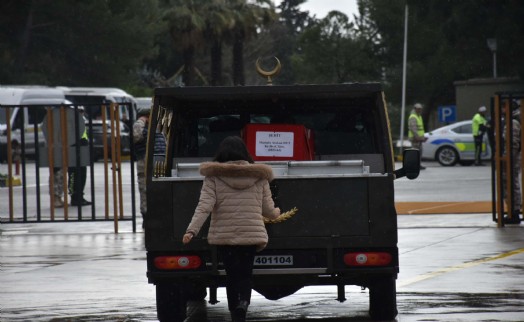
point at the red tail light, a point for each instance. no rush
(367, 259)
(177, 262)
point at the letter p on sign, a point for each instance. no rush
(447, 113)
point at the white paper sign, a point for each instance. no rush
(274, 144)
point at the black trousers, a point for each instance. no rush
(76, 183)
(478, 148)
(238, 261)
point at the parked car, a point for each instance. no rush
(26, 114)
(144, 102)
(453, 144)
(93, 98)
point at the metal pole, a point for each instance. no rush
(65, 158)
(9, 164)
(494, 64)
(106, 174)
(132, 162)
(50, 155)
(404, 61)
(113, 164)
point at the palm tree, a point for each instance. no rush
(186, 27)
(218, 21)
(248, 17)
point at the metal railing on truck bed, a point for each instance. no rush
(287, 169)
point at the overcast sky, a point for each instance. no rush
(320, 8)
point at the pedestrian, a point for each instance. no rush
(76, 182)
(515, 158)
(77, 176)
(58, 187)
(236, 193)
(480, 126)
(140, 128)
(416, 129)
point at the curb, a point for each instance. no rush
(443, 207)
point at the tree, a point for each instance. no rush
(186, 27)
(75, 42)
(219, 22)
(285, 32)
(446, 42)
(332, 52)
(248, 17)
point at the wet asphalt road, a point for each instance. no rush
(452, 268)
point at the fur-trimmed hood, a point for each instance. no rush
(232, 171)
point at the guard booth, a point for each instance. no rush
(506, 140)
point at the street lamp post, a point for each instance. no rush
(404, 60)
(492, 45)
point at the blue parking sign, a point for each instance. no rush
(447, 113)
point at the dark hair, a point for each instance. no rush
(232, 148)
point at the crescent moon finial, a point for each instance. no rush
(270, 73)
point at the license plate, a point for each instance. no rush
(270, 260)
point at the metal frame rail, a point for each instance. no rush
(501, 115)
(111, 141)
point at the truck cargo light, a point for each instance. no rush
(367, 259)
(177, 262)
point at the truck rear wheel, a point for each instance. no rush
(171, 302)
(383, 299)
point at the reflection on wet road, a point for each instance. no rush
(453, 268)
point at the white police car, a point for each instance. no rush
(453, 144)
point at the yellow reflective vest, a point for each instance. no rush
(420, 125)
(477, 121)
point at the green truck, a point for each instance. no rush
(331, 152)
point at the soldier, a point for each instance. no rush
(515, 156)
(77, 177)
(479, 125)
(58, 174)
(58, 187)
(140, 128)
(416, 129)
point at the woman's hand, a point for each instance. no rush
(187, 238)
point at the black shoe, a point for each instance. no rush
(514, 220)
(422, 167)
(82, 202)
(240, 312)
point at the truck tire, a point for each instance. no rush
(171, 302)
(3, 154)
(383, 299)
(197, 293)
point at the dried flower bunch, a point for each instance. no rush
(283, 217)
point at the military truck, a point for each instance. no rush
(331, 152)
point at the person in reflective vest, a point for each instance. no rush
(479, 126)
(416, 129)
(77, 177)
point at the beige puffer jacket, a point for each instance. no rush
(237, 195)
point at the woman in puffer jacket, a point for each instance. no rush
(236, 193)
